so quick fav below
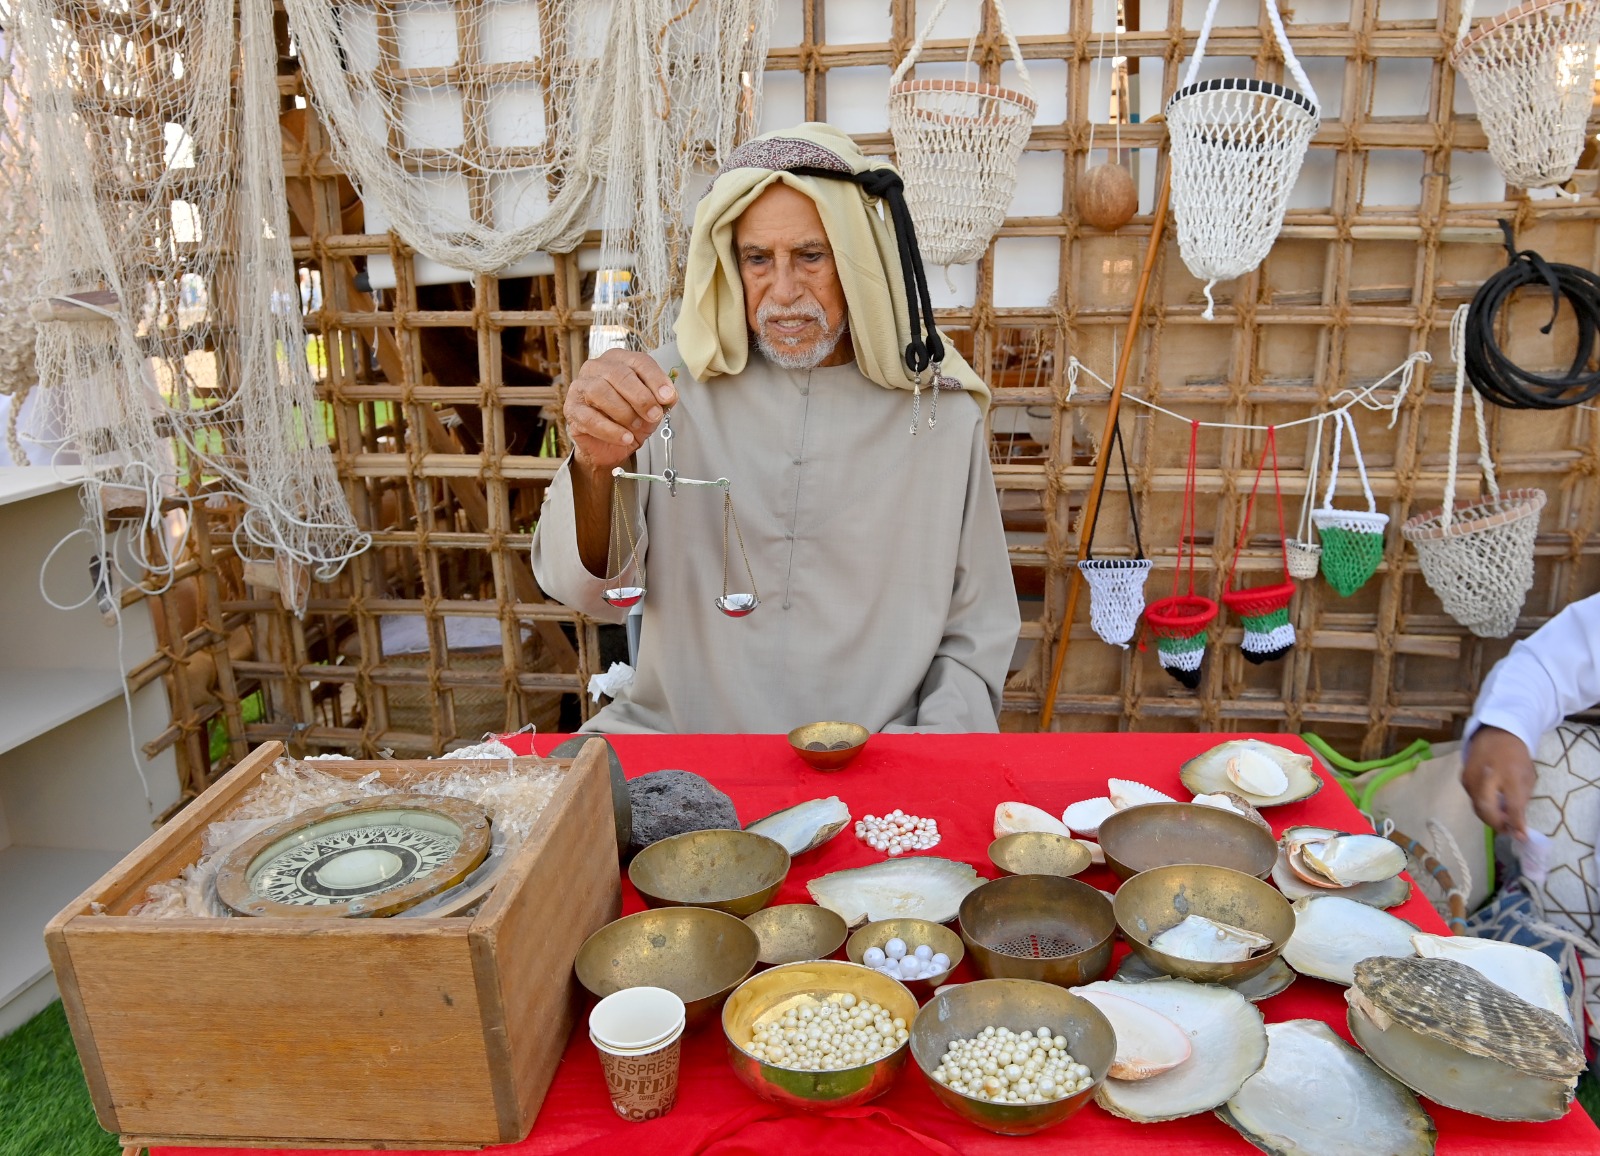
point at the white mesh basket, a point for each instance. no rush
(1116, 596)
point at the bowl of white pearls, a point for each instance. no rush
(1014, 1056)
(819, 1034)
(917, 952)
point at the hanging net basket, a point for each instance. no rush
(1531, 74)
(1237, 146)
(1352, 540)
(1264, 614)
(1305, 558)
(1179, 625)
(1116, 596)
(957, 143)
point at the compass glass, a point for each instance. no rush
(351, 857)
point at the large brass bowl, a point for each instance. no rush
(1039, 853)
(734, 871)
(828, 746)
(1153, 901)
(965, 1010)
(698, 954)
(914, 932)
(802, 985)
(1160, 834)
(792, 932)
(1053, 929)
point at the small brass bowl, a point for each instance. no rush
(828, 746)
(1160, 834)
(914, 932)
(793, 932)
(734, 871)
(1039, 853)
(1053, 929)
(1153, 901)
(1021, 1005)
(698, 954)
(807, 985)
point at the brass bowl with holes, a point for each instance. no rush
(807, 985)
(1038, 927)
(1161, 834)
(698, 954)
(828, 746)
(1152, 901)
(734, 871)
(793, 932)
(913, 932)
(1039, 853)
(965, 1010)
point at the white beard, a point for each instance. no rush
(781, 351)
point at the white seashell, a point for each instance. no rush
(1220, 801)
(1125, 793)
(805, 825)
(1388, 893)
(1208, 773)
(1522, 971)
(1010, 818)
(1148, 1043)
(1351, 859)
(923, 887)
(1207, 941)
(1096, 854)
(1332, 934)
(1085, 816)
(1255, 773)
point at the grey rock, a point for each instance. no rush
(667, 803)
(621, 800)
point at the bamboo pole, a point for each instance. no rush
(1158, 224)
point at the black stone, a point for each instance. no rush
(621, 799)
(667, 803)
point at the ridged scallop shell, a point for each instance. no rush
(923, 887)
(1125, 793)
(804, 826)
(1148, 1043)
(1332, 934)
(1525, 973)
(1085, 816)
(1011, 818)
(1255, 773)
(1352, 859)
(1207, 941)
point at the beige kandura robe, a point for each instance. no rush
(886, 592)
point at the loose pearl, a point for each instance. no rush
(873, 957)
(895, 949)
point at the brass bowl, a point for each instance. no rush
(793, 932)
(828, 746)
(914, 932)
(1160, 834)
(1153, 901)
(698, 954)
(808, 984)
(734, 871)
(1021, 1005)
(1029, 912)
(1039, 853)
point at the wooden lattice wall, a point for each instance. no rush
(441, 395)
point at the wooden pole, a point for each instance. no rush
(1091, 507)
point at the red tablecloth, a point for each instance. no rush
(957, 780)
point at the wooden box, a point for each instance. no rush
(424, 1032)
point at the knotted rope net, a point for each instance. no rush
(1352, 540)
(1477, 554)
(1531, 73)
(19, 236)
(1237, 146)
(1116, 585)
(957, 143)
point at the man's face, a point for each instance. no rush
(793, 299)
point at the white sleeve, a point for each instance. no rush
(556, 564)
(1552, 673)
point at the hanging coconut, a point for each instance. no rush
(1107, 197)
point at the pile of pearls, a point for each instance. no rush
(897, 961)
(898, 832)
(843, 1032)
(1005, 1068)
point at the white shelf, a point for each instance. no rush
(36, 883)
(33, 702)
(19, 482)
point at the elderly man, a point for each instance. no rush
(885, 593)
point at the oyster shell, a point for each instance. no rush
(1148, 1043)
(1232, 801)
(1255, 773)
(1351, 859)
(1264, 984)
(1208, 773)
(1357, 1107)
(924, 887)
(1010, 818)
(804, 826)
(1306, 873)
(1332, 934)
(1226, 1036)
(1389, 893)
(1207, 941)
(1125, 793)
(1085, 816)
(1525, 973)
(1449, 1034)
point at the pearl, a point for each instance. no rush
(895, 948)
(940, 960)
(872, 957)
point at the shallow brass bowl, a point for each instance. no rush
(734, 871)
(1160, 834)
(1153, 901)
(914, 932)
(828, 746)
(809, 984)
(1013, 908)
(792, 932)
(1021, 1005)
(698, 954)
(1039, 853)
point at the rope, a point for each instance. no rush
(1346, 422)
(1458, 337)
(1133, 509)
(1186, 526)
(1302, 527)
(1269, 446)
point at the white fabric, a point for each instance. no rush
(1116, 596)
(1552, 673)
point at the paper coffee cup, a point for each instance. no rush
(636, 1018)
(642, 1083)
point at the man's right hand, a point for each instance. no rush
(1498, 773)
(617, 400)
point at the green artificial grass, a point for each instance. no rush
(1589, 1094)
(46, 1106)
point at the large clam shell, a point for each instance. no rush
(1207, 941)
(1356, 1109)
(1333, 934)
(921, 887)
(804, 826)
(1265, 984)
(1352, 859)
(1148, 1043)
(1525, 973)
(1208, 773)
(1013, 818)
(1389, 893)
(1449, 1034)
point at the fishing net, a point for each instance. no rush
(1531, 73)
(1477, 554)
(1264, 610)
(1352, 540)
(167, 278)
(19, 237)
(1179, 622)
(957, 143)
(1116, 585)
(1237, 146)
